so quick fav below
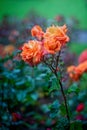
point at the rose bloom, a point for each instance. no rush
(52, 46)
(83, 66)
(83, 57)
(80, 107)
(57, 33)
(36, 31)
(32, 52)
(74, 73)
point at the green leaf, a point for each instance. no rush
(45, 108)
(63, 109)
(54, 109)
(21, 95)
(62, 124)
(19, 83)
(34, 96)
(54, 86)
(32, 127)
(73, 89)
(76, 125)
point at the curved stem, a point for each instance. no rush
(65, 100)
(61, 86)
(64, 97)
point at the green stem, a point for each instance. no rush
(62, 91)
(65, 100)
(64, 97)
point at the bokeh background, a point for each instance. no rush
(46, 8)
(28, 95)
(70, 12)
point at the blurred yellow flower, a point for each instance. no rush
(9, 49)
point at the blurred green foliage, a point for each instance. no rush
(30, 97)
(33, 94)
(46, 8)
(77, 48)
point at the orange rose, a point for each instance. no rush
(49, 42)
(83, 66)
(57, 33)
(36, 31)
(64, 28)
(72, 73)
(32, 52)
(52, 46)
(76, 72)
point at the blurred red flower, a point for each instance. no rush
(59, 18)
(79, 117)
(83, 57)
(48, 128)
(16, 116)
(80, 107)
